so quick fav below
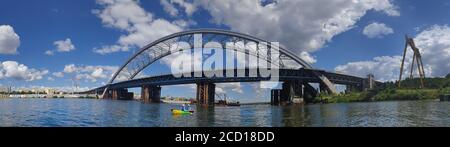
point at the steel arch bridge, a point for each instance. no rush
(125, 76)
(162, 48)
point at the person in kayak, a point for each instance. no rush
(188, 107)
(183, 107)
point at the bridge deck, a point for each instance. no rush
(306, 75)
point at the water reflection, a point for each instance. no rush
(86, 112)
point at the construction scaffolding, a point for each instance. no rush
(417, 58)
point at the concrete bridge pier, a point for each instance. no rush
(310, 93)
(275, 96)
(107, 95)
(323, 88)
(291, 93)
(118, 94)
(205, 94)
(151, 94)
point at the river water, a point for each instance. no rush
(106, 113)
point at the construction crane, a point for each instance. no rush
(417, 58)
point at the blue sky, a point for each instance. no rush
(40, 24)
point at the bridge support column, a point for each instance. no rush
(151, 94)
(323, 88)
(107, 95)
(118, 94)
(292, 93)
(275, 96)
(205, 94)
(309, 93)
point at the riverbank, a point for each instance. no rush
(390, 94)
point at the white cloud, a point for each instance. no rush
(14, 70)
(170, 7)
(59, 88)
(98, 73)
(140, 26)
(384, 68)
(222, 88)
(58, 74)
(308, 57)
(377, 30)
(90, 73)
(50, 79)
(61, 46)
(434, 45)
(9, 40)
(64, 45)
(49, 52)
(303, 26)
(110, 49)
(69, 68)
(180, 58)
(258, 90)
(300, 25)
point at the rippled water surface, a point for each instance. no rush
(104, 113)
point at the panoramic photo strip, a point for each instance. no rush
(221, 71)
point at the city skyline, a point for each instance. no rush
(54, 43)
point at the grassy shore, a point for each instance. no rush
(386, 95)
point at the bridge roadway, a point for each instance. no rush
(292, 79)
(304, 75)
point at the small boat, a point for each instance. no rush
(233, 104)
(176, 111)
(225, 102)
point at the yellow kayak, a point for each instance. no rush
(176, 111)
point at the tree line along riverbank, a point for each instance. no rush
(434, 89)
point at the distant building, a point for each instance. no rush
(5, 89)
(50, 91)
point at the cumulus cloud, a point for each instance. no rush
(59, 88)
(140, 26)
(175, 60)
(14, 70)
(434, 45)
(50, 79)
(259, 90)
(64, 45)
(222, 88)
(170, 6)
(377, 30)
(50, 52)
(300, 25)
(9, 40)
(110, 49)
(308, 57)
(69, 68)
(385, 68)
(90, 72)
(61, 46)
(58, 74)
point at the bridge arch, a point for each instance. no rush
(161, 48)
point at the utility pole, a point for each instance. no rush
(417, 58)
